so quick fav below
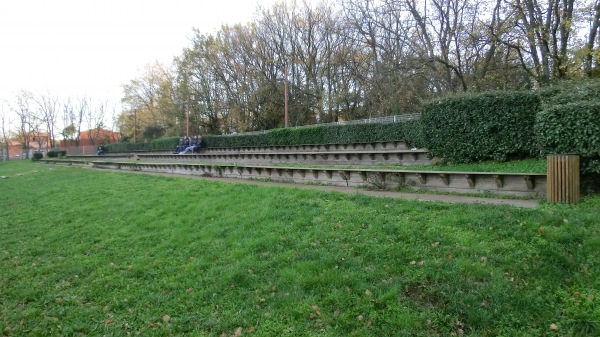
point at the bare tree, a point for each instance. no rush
(5, 136)
(48, 108)
(25, 116)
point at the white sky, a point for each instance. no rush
(92, 47)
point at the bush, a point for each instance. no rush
(54, 154)
(570, 92)
(37, 156)
(488, 126)
(163, 144)
(571, 128)
(329, 134)
(124, 147)
(413, 133)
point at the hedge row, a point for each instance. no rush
(161, 144)
(570, 92)
(570, 122)
(336, 134)
(502, 125)
(469, 128)
(54, 154)
(571, 128)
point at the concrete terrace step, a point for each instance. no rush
(371, 146)
(376, 153)
(401, 157)
(518, 184)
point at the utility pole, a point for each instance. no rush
(285, 84)
(187, 116)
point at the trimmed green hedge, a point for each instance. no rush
(488, 126)
(571, 128)
(161, 144)
(330, 134)
(570, 92)
(413, 133)
(54, 154)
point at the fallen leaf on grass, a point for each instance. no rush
(238, 332)
(166, 318)
(360, 317)
(317, 312)
(553, 327)
(188, 290)
(435, 244)
(368, 292)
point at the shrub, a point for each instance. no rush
(124, 147)
(37, 156)
(492, 125)
(163, 144)
(413, 133)
(571, 128)
(54, 154)
(570, 92)
(328, 134)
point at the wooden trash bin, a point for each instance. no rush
(563, 179)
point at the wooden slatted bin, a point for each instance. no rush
(563, 178)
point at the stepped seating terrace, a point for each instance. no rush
(257, 163)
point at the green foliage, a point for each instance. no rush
(570, 92)
(153, 132)
(37, 156)
(235, 140)
(470, 128)
(413, 133)
(54, 154)
(329, 134)
(124, 147)
(571, 128)
(163, 144)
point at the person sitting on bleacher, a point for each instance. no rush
(198, 147)
(180, 146)
(100, 150)
(191, 145)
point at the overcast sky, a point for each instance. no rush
(92, 47)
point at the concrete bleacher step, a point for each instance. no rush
(517, 184)
(396, 157)
(352, 147)
(360, 154)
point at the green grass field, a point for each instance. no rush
(100, 253)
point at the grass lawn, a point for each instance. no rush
(93, 253)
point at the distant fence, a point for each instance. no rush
(381, 120)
